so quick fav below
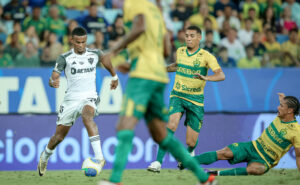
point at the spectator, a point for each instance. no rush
(245, 7)
(198, 3)
(180, 40)
(67, 40)
(269, 19)
(55, 23)
(117, 28)
(14, 11)
(286, 21)
(35, 20)
(99, 41)
(61, 9)
(52, 50)
(245, 35)
(257, 23)
(249, 62)
(208, 26)
(209, 45)
(291, 50)
(75, 4)
(93, 21)
(198, 19)
(3, 27)
(273, 5)
(259, 48)
(31, 35)
(234, 46)
(220, 6)
(29, 57)
(5, 58)
(225, 29)
(273, 49)
(17, 29)
(14, 47)
(295, 7)
(227, 15)
(224, 60)
(181, 12)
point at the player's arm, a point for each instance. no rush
(297, 154)
(54, 79)
(172, 67)
(108, 66)
(167, 45)
(281, 96)
(60, 66)
(138, 28)
(217, 76)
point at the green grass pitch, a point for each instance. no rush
(143, 177)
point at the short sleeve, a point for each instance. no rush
(60, 64)
(132, 9)
(212, 62)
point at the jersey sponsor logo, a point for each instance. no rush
(84, 70)
(91, 60)
(74, 63)
(267, 149)
(186, 88)
(81, 63)
(274, 135)
(188, 71)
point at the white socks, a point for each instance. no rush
(46, 154)
(96, 144)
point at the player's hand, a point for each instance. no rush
(281, 96)
(200, 77)
(124, 68)
(114, 84)
(54, 83)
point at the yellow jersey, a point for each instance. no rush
(276, 140)
(146, 52)
(185, 85)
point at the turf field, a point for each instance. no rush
(143, 177)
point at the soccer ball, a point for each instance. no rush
(91, 167)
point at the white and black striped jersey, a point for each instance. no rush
(80, 71)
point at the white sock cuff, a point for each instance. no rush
(94, 138)
(48, 151)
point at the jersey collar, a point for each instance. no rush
(189, 55)
(289, 121)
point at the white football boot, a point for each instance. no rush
(154, 167)
(42, 166)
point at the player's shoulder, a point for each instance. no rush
(205, 52)
(66, 54)
(94, 51)
(181, 50)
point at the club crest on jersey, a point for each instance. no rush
(91, 60)
(283, 132)
(197, 63)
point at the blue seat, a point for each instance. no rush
(281, 38)
(73, 14)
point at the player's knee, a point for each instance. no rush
(224, 154)
(190, 142)
(87, 117)
(172, 126)
(255, 170)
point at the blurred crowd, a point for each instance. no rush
(243, 34)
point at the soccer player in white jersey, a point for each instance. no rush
(81, 98)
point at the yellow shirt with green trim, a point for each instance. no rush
(276, 140)
(146, 52)
(185, 85)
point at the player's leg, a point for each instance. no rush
(213, 156)
(156, 118)
(172, 145)
(191, 139)
(87, 114)
(256, 168)
(137, 95)
(59, 135)
(171, 128)
(125, 136)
